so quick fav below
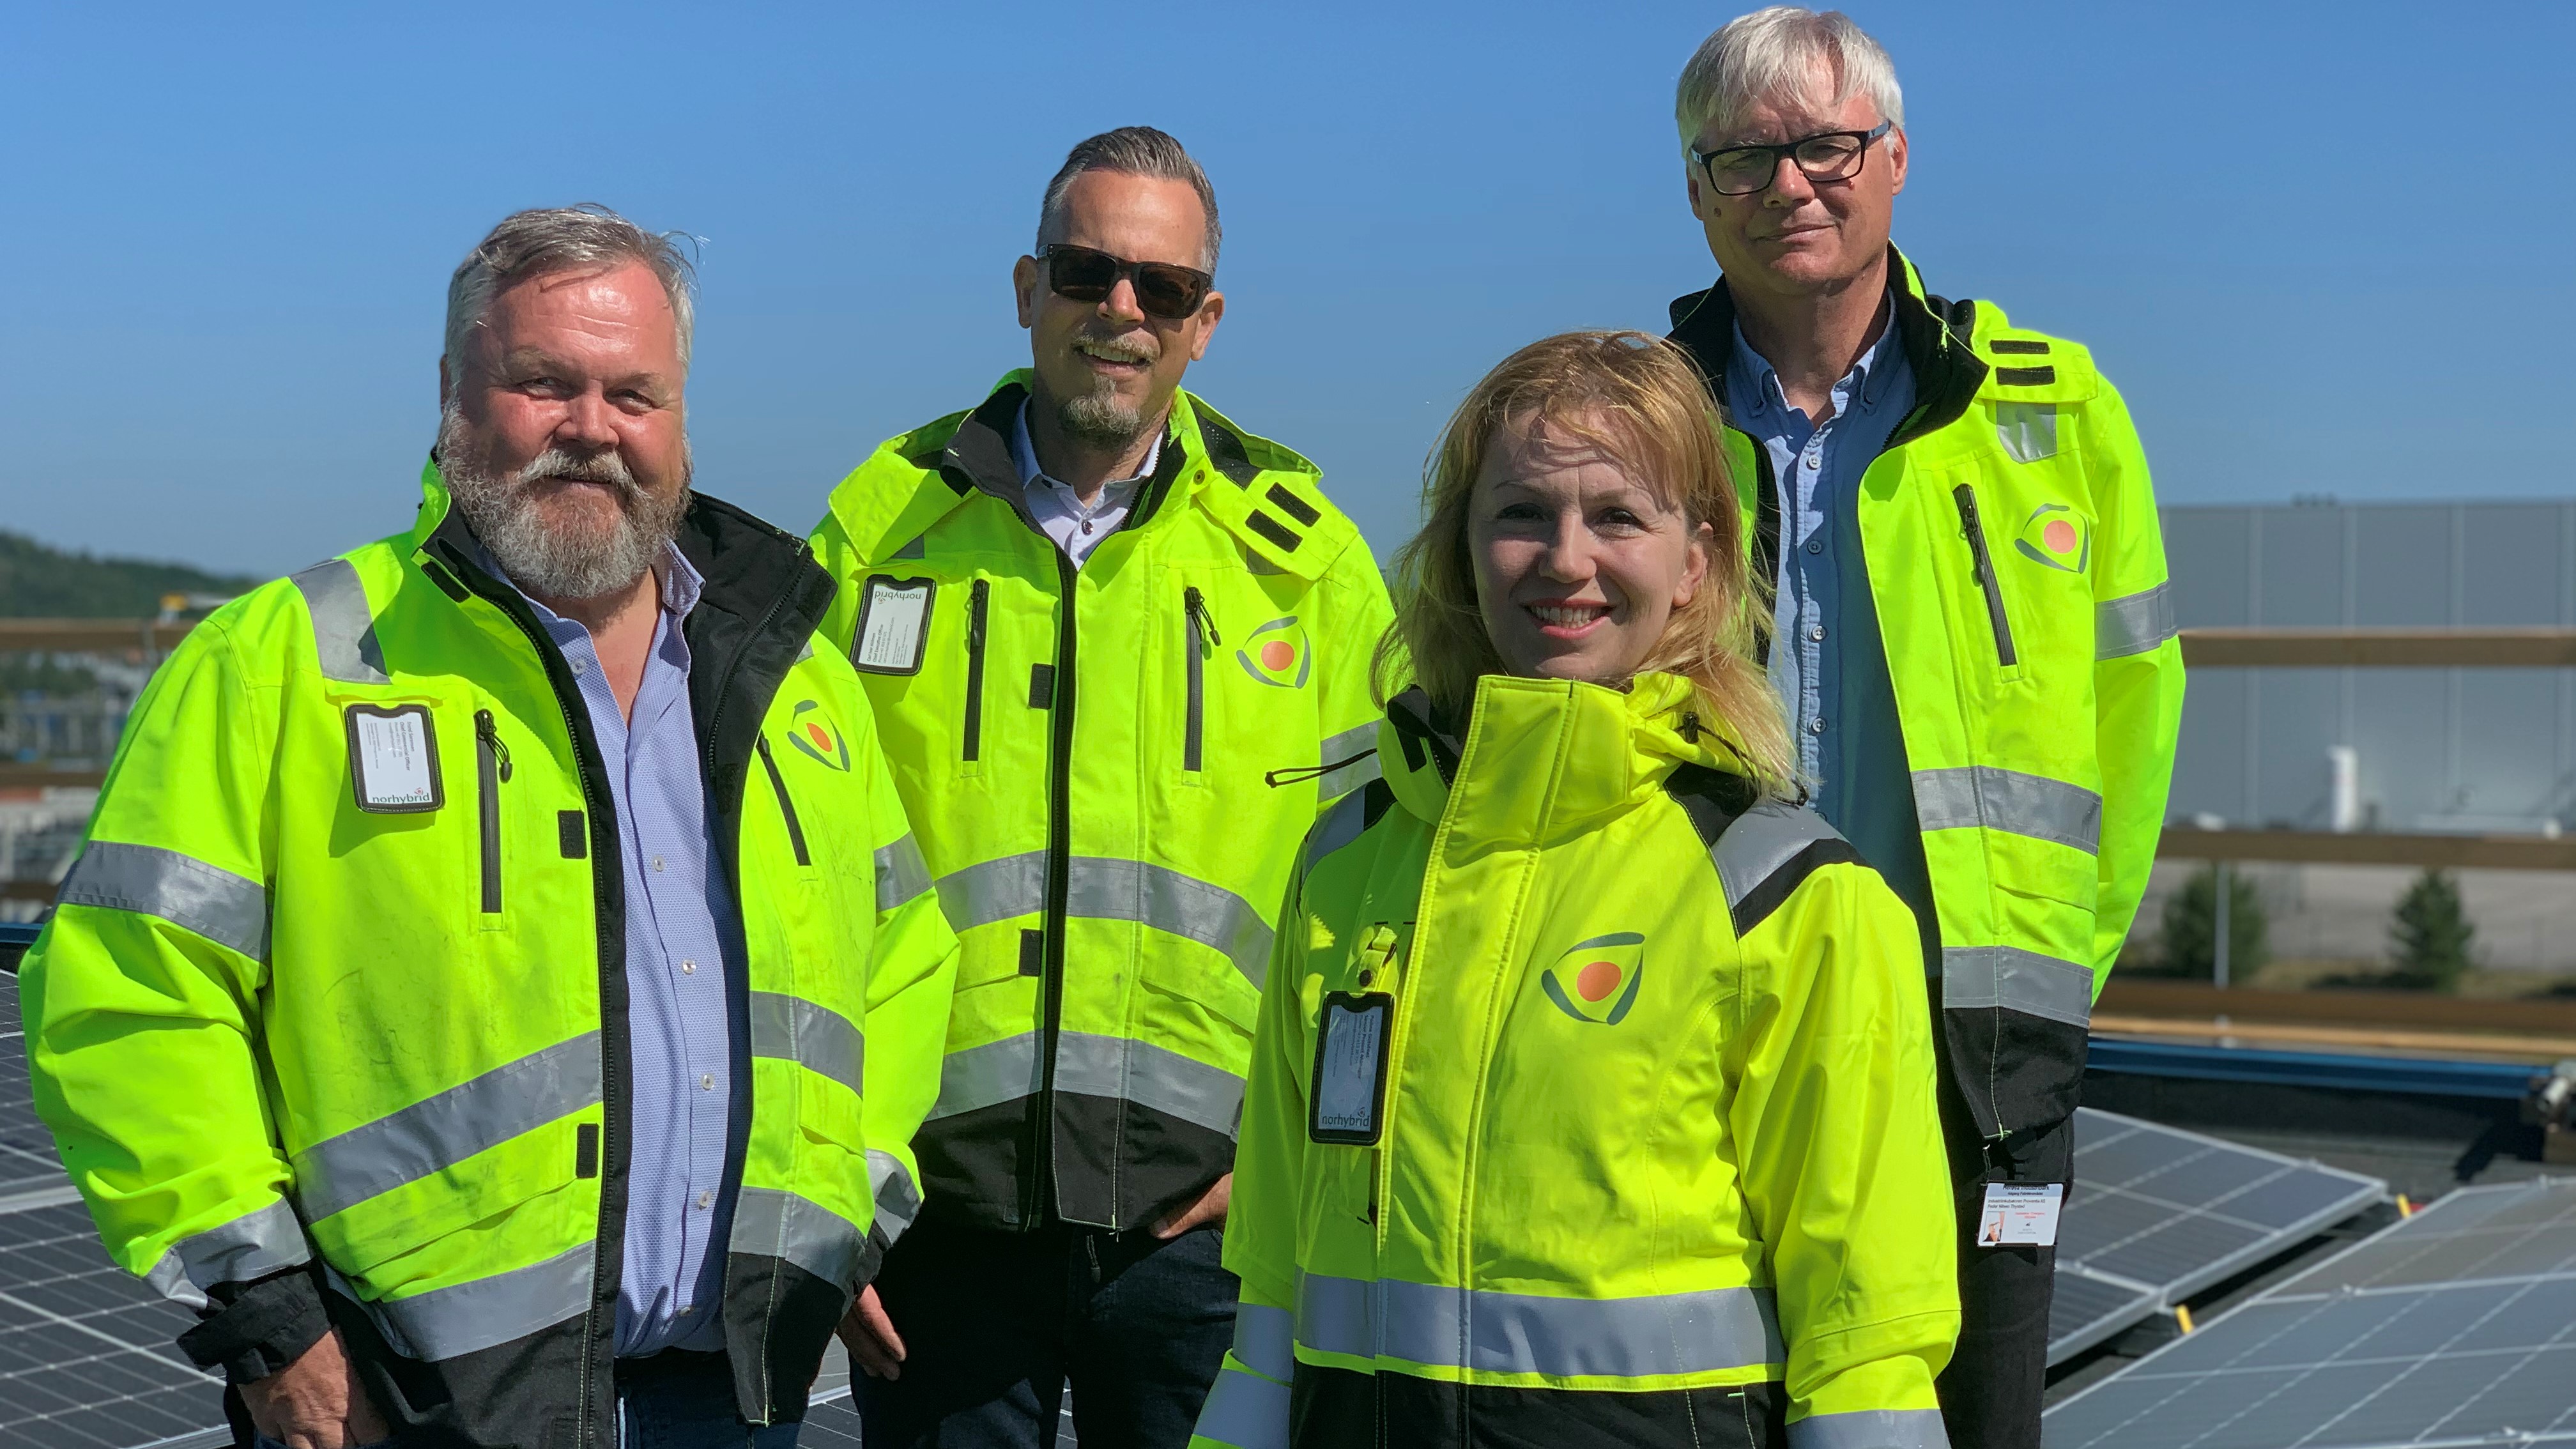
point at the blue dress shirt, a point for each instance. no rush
(681, 931)
(1826, 655)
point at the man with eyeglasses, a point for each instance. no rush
(1118, 648)
(1973, 633)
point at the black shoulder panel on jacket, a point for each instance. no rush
(1767, 853)
(1226, 451)
(1711, 798)
(1350, 815)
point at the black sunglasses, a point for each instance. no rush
(1826, 156)
(1079, 274)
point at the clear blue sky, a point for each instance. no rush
(2321, 248)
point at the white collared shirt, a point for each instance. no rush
(1077, 528)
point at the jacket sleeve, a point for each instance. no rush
(1833, 1122)
(145, 988)
(912, 975)
(1248, 1406)
(2137, 673)
(839, 558)
(1356, 613)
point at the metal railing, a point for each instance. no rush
(2548, 647)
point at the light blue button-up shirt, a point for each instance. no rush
(1826, 655)
(681, 932)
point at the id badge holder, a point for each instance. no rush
(393, 759)
(1347, 1094)
(894, 625)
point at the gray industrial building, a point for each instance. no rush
(2483, 750)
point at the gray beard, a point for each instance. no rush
(1099, 420)
(539, 557)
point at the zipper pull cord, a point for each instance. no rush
(1975, 534)
(975, 618)
(1196, 603)
(491, 735)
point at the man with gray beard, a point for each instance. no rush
(1118, 648)
(459, 1002)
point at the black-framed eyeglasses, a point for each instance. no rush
(1163, 289)
(1825, 156)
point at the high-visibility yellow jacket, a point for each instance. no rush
(268, 1026)
(1658, 1139)
(2010, 534)
(1111, 769)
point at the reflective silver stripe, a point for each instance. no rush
(446, 1322)
(1871, 1429)
(253, 1245)
(2012, 979)
(225, 908)
(2028, 431)
(797, 1030)
(1340, 826)
(1244, 1411)
(1265, 1340)
(1094, 1066)
(898, 1201)
(1105, 888)
(994, 890)
(446, 1129)
(1677, 1333)
(1349, 742)
(1348, 778)
(2007, 800)
(344, 627)
(2135, 624)
(774, 1223)
(1762, 840)
(901, 873)
(987, 1076)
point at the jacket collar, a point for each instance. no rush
(1545, 759)
(1934, 333)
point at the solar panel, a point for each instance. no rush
(86, 1353)
(28, 1161)
(2158, 1214)
(2456, 1326)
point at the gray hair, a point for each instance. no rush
(1131, 151)
(544, 240)
(1771, 53)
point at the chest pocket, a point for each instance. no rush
(1245, 681)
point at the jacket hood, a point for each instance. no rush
(1543, 760)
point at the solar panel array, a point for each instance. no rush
(2454, 1327)
(2158, 1214)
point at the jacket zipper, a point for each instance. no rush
(491, 767)
(977, 600)
(1058, 889)
(1202, 630)
(786, 807)
(1966, 496)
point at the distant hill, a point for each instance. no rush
(40, 582)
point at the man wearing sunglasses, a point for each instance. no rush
(1973, 633)
(1118, 648)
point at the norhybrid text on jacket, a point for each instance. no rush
(275, 1024)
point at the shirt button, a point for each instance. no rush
(1086, 525)
(707, 1199)
(688, 968)
(581, 666)
(657, 865)
(1817, 633)
(687, 1308)
(1815, 545)
(707, 1080)
(1816, 726)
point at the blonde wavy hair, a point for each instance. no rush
(1641, 401)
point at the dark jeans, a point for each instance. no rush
(1991, 1392)
(993, 1325)
(680, 1400)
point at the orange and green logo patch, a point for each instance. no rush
(1277, 654)
(1596, 981)
(811, 730)
(2055, 538)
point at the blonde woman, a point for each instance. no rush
(1591, 1100)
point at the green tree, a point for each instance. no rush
(2191, 927)
(2430, 933)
